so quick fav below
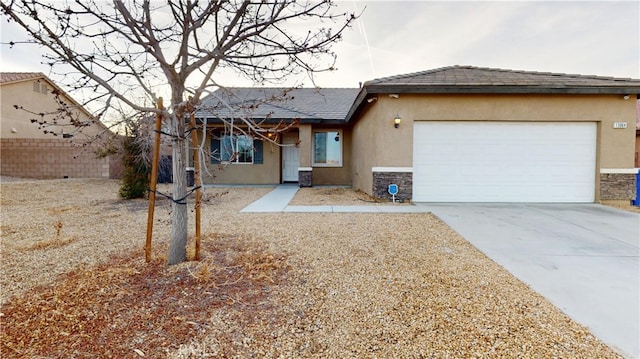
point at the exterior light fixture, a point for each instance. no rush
(396, 121)
(626, 97)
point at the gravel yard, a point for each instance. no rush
(288, 285)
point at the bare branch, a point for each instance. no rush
(120, 54)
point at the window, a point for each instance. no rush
(236, 149)
(327, 148)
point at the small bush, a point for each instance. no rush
(135, 177)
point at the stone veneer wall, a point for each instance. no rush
(305, 178)
(49, 158)
(617, 186)
(382, 180)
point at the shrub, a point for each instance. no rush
(135, 177)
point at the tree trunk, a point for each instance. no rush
(179, 213)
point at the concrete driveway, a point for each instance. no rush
(581, 257)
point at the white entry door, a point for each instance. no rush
(290, 158)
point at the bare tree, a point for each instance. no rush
(128, 51)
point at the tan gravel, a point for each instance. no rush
(339, 196)
(336, 196)
(358, 285)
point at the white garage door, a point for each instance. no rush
(504, 162)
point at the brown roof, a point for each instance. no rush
(309, 105)
(470, 79)
(481, 80)
(6, 77)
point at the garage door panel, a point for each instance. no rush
(504, 162)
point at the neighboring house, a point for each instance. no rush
(27, 151)
(454, 134)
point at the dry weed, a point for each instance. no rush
(130, 307)
(48, 244)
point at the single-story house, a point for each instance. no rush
(282, 154)
(453, 134)
(30, 148)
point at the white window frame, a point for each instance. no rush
(341, 142)
(235, 148)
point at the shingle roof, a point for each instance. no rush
(309, 105)
(481, 80)
(6, 77)
(470, 76)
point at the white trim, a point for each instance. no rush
(619, 170)
(391, 169)
(339, 137)
(304, 169)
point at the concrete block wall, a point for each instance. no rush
(48, 159)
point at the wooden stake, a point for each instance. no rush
(197, 183)
(153, 184)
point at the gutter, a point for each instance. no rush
(504, 89)
(355, 107)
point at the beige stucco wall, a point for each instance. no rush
(306, 141)
(16, 123)
(266, 173)
(637, 163)
(270, 171)
(378, 144)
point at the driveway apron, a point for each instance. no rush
(581, 257)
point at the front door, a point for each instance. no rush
(290, 158)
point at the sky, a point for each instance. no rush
(399, 37)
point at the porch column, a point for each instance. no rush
(305, 174)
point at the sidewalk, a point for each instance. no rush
(278, 201)
(274, 201)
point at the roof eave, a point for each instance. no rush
(357, 103)
(501, 89)
(275, 121)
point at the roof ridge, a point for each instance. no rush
(21, 72)
(496, 70)
(411, 74)
(531, 72)
(286, 87)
